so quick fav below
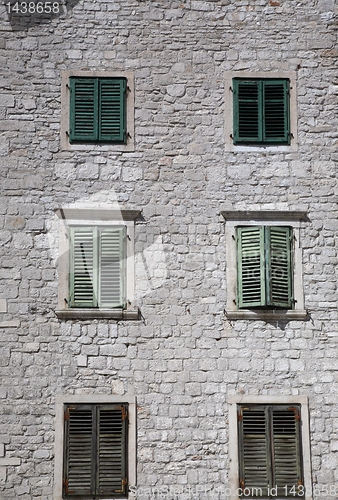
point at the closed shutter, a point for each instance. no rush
(78, 457)
(264, 267)
(95, 451)
(276, 111)
(251, 272)
(261, 111)
(254, 444)
(112, 122)
(112, 458)
(97, 110)
(112, 265)
(270, 450)
(247, 111)
(287, 470)
(279, 266)
(83, 267)
(83, 113)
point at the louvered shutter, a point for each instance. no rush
(251, 272)
(79, 445)
(246, 111)
(112, 456)
(83, 267)
(95, 451)
(276, 111)
(83, 113)
(254, 444)
(270, 450)
(112, 108)
(286, 446)
(261, 111)
(279, 266)
(112, 266)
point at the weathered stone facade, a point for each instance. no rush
(183, 358)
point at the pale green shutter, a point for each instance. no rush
(279, 266)
(112, 267)
(83, 267)
(251, 270)
(254, 444)
(112, 450)
(112, 120)
(83, 113)
(286, 448)
(78, 478)
(276, 111)
(247, 111)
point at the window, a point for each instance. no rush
(261, 111)
(269, 447)
(95, 446)
(96, 264)
(264, 265)
(97, 111)
(95, 454)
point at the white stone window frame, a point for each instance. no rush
(236, 400)
(95, 217)
(228, 99)
(65, 103)
(234, 219)
(60, 401)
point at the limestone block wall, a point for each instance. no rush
(183, 358)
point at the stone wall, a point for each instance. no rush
(183, 358)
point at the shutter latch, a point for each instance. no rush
(65, 485)
(296, 412)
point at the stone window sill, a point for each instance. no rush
(268, 315)
(116, 314)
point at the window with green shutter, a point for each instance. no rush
(261, 111)
(97, 110)
(270, 457)
(264, 267)
(97, 266)
(95, 451)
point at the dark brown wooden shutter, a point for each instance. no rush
(270, 454)
(95, 451)
(112, 454)
(79, 441)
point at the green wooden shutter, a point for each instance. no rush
(83, 113)
(254, 445)
(112, 267)
(279, 266)
(78, 476)
(247, 111)
(83, 267)
(251, 272)
(276, 111)
(286, 448)
(112, 450)
(112, 120)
